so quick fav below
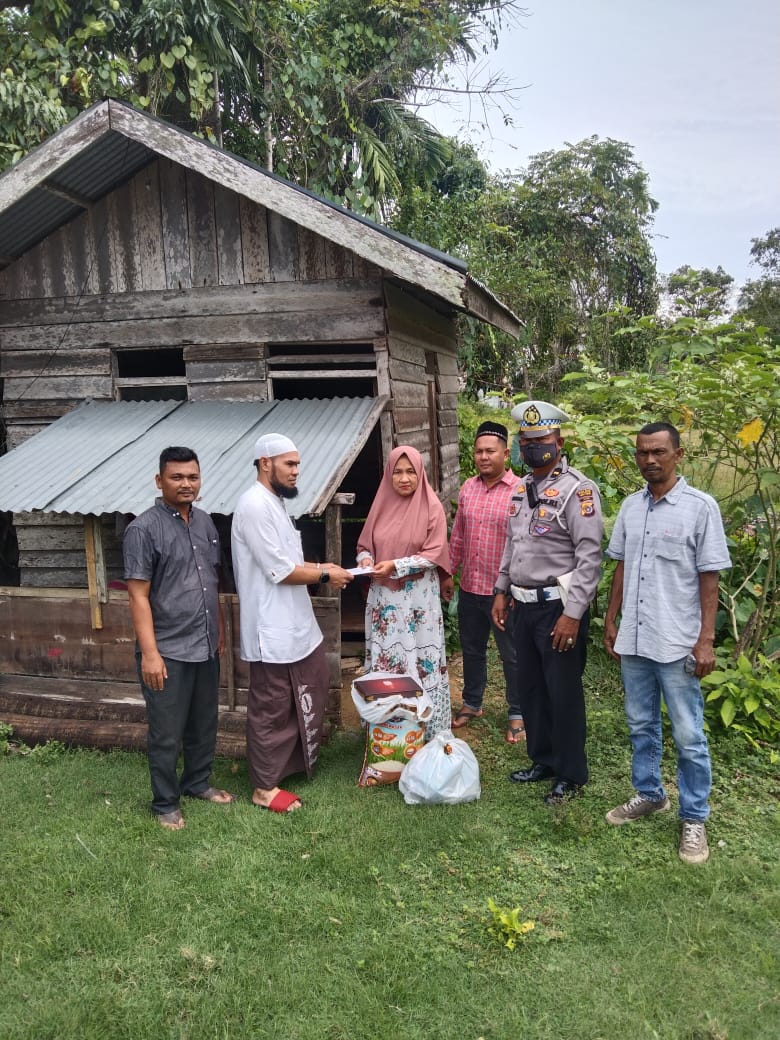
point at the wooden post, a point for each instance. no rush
(332, 543)
(96, 569)
(384, 389)
(228, 662)
(333, 533)
(333, 554)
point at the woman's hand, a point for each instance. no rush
(367, 563)
(385, 569)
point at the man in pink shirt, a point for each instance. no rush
(477, 543)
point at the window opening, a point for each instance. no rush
(157, 374)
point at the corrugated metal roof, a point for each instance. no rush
(31, 219)
(102, 457)
(88, 176)
(110, 160)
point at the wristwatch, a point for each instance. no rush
(499, 592)
(324, 577)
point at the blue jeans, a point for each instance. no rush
(645, 681)
(475, 625)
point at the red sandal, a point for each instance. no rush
(282, 802)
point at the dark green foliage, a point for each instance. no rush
(313, 90)
(698, 294)
(759, 299)
(563, 243)
(721, 386)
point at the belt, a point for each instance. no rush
(540, 595)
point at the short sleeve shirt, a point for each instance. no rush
(180, 560)
(556, 531)
(665, 545)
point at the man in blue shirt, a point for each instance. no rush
(670, 546)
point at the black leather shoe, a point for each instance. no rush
(562, 791)
(531, 776)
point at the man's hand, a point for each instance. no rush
(447, 588)
(564, 635)
(153, 670)
(610, 635)
(704, 653)
(498, 613)
(339, 577)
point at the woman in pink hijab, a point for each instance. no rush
(404, 541)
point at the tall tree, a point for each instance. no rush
(697, 294)
(314, 89)
(759, 299)
(565, 243)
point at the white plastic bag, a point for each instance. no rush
(443, 771)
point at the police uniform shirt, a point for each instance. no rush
(554, 527)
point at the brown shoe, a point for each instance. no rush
(214, 794)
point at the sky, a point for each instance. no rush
(692, 85)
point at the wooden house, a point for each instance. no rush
(142, 265)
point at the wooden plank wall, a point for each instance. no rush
(66, 681)
(59, 641)
(52, 554)
(414, 330)
(171, 259)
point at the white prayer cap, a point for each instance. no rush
(271, 444)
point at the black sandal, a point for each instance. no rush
(464, 717)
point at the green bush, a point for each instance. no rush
(745, 697)
(721, 387)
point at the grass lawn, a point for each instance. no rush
(360, 918)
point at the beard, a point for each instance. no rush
(282, 490)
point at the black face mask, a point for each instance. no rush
(537, 456)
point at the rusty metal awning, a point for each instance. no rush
(103, 457)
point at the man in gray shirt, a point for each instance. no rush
(171, 555)
(669, 542)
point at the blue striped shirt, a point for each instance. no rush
(665, 545)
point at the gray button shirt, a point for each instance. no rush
(180, 560)
(562, 532)
(665, 545)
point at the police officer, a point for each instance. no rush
(548, 574)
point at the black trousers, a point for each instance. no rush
(183, 715)
(475, 625)
(551, 690)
